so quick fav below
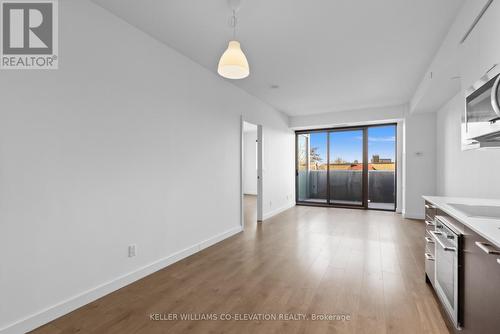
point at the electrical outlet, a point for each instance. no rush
(132, 251)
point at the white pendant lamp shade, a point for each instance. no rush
(233, 64)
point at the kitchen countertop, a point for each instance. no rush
(488, 228)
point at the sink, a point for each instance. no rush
(478, 211)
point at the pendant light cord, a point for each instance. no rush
(233, 23)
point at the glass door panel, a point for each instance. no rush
(302, 167)
(382, 167)
(312, 162)
(346, 167)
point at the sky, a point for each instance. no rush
(348, 144)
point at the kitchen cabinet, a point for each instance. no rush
(480, 51)
(476, 281)
(470, 69)
(481, 285)
(430, 250)
(489, 37)
(430, 258)
(456, 59)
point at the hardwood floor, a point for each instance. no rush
(364, 264)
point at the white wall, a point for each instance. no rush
(250, 163)
(349, 117)
(419, 152)
(472, 173)
(116, 148)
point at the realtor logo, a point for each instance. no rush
(29, 34)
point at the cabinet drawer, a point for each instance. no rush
(430, 244)
(429, 225)
(430, 267)
(430, 211)
(481, 285)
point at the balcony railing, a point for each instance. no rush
(346, 185)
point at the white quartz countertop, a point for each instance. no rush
(488, 228)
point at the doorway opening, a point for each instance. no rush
(347, 167)
(251, 172)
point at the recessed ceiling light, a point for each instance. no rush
(274, 86)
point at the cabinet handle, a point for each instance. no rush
(429, 257)
(494, 97)
(487, 248)
(429, 240)
(491, 68)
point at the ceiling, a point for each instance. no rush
(325, 55)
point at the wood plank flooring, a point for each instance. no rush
(364, 264)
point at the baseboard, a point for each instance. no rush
(44, 316)
(218, 238)
(277, 211)
(413, 215)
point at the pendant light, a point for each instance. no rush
(233, 63)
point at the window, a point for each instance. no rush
(347, 167)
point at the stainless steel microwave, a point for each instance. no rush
(482, 112)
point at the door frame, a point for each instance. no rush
(365, 195)
(260, 168)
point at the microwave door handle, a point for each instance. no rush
(494, 96)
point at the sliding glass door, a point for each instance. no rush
(353, 167)
(312, 167)
(382, 167)
(346, 167)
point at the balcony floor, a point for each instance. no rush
(371, 205)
